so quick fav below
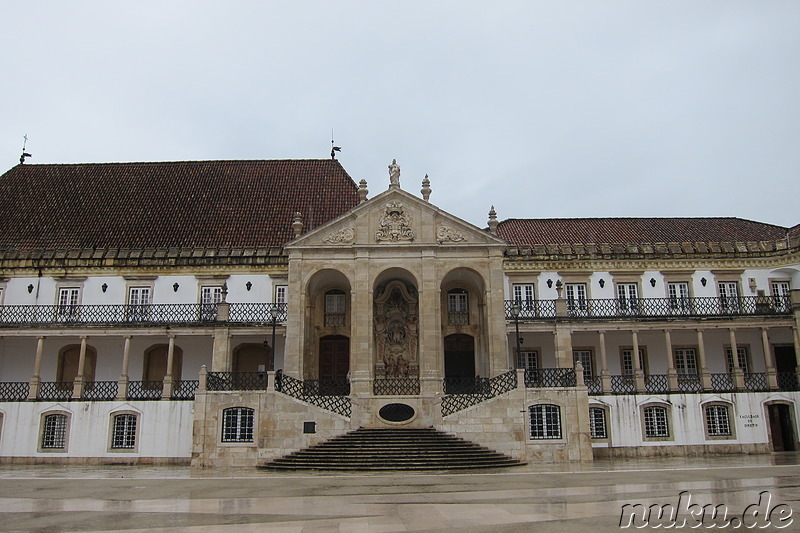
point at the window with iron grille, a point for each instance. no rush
(656, 424)
(124, 431)
(597, 423)
(237, 424)
(545, 421)
(54, 432)
(718, 421)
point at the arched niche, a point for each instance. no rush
(396, 325)
(327, 316)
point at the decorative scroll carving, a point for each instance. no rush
(445, 233)
(343, 236)
(395, 225)
(396, 331)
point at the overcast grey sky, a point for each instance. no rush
(544, 109)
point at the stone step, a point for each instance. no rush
(393, 449)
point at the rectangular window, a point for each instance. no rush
(545, 421)
(280, 294)
(686, 361)
(523, 294)
(528, 359)
(656, 424)
(138, 303)
(597, 423)
(679, 296)
(628, 298)
(576, 299)
(54, 432)
(68, 299)
(718, 423)
(210, 296)
(780, 295)
(124, 432)
(743, 359)
(585, 357)
(237, 424)
(729, 296)
(627, 361)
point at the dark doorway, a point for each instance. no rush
(781, 427)
(459, 363)
(334, 364)
(785, 366)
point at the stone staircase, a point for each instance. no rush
(393, 449)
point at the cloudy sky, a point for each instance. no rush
(544, 109)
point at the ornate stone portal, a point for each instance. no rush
(396, 331)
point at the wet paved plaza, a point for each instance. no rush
(530, 498)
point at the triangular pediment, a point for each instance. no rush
(396, 218)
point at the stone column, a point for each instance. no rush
(362, 359)
(705, 377)
(77, 391)
(221, 351)
(563, 347)
(36, 379)
(605, 375)
(167, 391)
(431, 343)
(638, 371)
(122, 384)
(672, 374)
(769, 361)
(738, 372)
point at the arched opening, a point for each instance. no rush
(396, 326)
(327, 326)
(251, 358)
(68, 359)
(459, 362)
(155, 363)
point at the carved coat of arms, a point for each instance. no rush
(394, 225)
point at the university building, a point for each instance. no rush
(231, 313)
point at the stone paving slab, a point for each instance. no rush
(546, 498)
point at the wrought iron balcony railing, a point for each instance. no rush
(136, 315)
(236, 381)
(326, 394)
(396, 387)
(705, 306)
(549, 377)
(14, 391)
(480, 390)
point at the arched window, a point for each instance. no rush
(237, 424)
(656, 422)
(54, 432)
(718, 420)
(335, 308)
(597, 423)
(545, 421)
(123, 431)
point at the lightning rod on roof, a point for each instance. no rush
(334, 149)
(25, 154)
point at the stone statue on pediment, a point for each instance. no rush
(394, 174)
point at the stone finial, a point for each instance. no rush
(426, 188)
(493, 221)
(362, 191)
(297, 224)
(394, 175)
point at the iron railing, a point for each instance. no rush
(238, 381)
(458, 318)
(654, 307)
(316, 392)
(788, 381)
(756, 382)
(56, 390)
(623, 384)
(689, 383)
(656, 383)
(483, 389)
(100, 390)
(184, 389)
(722, 383)
(14, 391)
(145, 390)
(594, 385)
(465, 385)
(396, 387)
(536, 378)
(256, 313)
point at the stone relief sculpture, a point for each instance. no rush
(396, 331)
(394, 174)
(343, 236)
(395, 225)
(446, 233)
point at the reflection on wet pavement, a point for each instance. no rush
(553, 497)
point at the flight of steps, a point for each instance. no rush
(393, 449)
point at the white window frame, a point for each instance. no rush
(718, 421)
(525, 295)
(586, 356)
(210, 296)
(281, 294)
(577, 298)
(528, 359)
(679, 296)
(140, 299)
(68, 301)
(628, 297)
(729, 296)
(781, 291)
(545, 421)
(685, 361)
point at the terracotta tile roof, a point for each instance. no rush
(193, 204)
(528, 232)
